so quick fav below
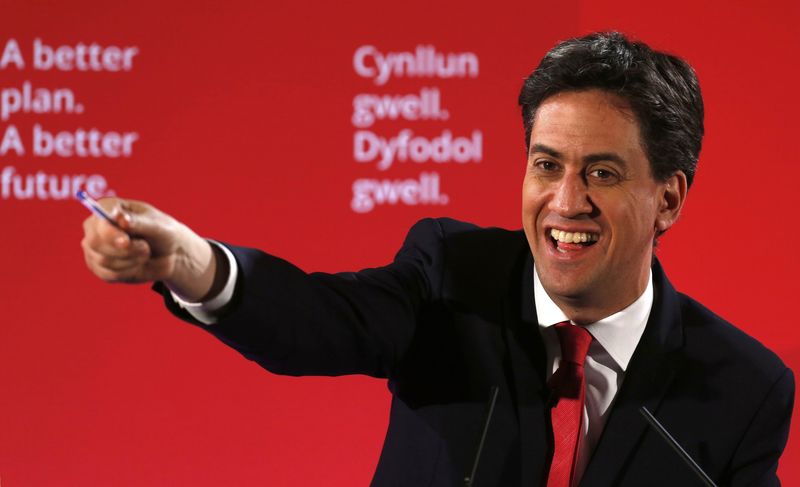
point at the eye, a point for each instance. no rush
(603, 175)
(545, 165)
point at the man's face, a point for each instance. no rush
(590, 206)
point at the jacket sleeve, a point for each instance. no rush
(295, 323)
(755, 462)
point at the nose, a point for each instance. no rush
(571, 197)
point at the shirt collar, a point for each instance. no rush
(618, 334)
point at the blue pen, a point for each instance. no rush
(95, 207)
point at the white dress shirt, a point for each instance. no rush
(615, 339)
(206, 311)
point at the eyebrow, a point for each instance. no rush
(545, 149)
(605, 156)
(600, 156)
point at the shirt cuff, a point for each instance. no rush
(207, 311)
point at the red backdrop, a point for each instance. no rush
(242, 116)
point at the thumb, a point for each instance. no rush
(140, 220)
(122, 216)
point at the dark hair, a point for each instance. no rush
(661, 89)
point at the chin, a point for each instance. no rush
(568, 291)
(564, 286)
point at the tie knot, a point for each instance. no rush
(575, 342)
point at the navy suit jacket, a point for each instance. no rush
(454, 315)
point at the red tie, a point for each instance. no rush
(569, 387)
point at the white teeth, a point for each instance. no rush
(573, 237)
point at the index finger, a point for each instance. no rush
(95, 207)
(105, 238)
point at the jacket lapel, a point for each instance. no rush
(528, 358)
(647, 379)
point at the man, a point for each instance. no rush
(572, 320)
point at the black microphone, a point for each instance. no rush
(662, 431)
(469, 479)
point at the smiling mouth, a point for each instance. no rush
(572, 241)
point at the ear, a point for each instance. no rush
(673, 197)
